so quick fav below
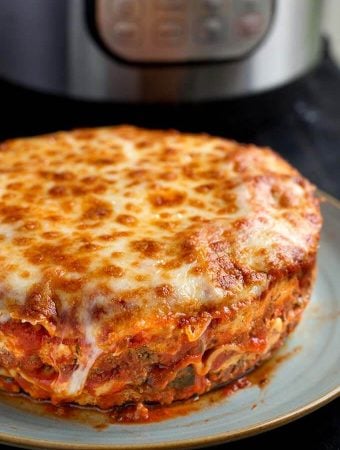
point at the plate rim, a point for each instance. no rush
(183, 443)
(201, 441)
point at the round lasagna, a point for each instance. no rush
(147, 266)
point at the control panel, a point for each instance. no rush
(180, 31)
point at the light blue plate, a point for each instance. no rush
(300, 384)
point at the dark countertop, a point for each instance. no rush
(301, 121)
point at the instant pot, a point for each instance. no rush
(157, 50)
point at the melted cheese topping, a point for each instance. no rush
(106, 232)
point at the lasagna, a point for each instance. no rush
(146, 266)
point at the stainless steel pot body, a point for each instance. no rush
(157, 50)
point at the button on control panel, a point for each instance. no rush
(126, 33)
(210, 30)
(179, 31)
(169, 33)
(249, 24)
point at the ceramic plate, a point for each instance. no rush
(306, 380)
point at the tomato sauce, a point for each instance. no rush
(141, 414)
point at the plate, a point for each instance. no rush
(303, 382)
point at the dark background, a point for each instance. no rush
(301, 121)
